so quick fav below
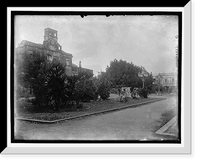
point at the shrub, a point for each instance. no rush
(104, 91)
(143, 92)
(89, 91)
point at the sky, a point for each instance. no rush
(144, 40)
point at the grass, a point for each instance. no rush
(165, 117)
(27, 110)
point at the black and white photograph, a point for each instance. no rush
(97, 77)
(115, 81)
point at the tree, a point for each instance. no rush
(103, 86)
(57, 89)
(120, 73)
(46, 79)
(149, 83)
(34, 70)
(82, 75)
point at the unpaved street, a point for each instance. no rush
(128, 124)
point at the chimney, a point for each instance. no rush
(79, 64)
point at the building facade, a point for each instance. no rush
(53, 50)
(168, 81)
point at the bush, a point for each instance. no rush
(104, 91)
(143, 92)
(89, 91)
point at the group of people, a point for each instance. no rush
(134, 93)
(124, 93)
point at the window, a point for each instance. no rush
(67, 62)
(165, 80)
(172, 80)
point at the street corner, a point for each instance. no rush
(169, 129)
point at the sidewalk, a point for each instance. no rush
(169, 129)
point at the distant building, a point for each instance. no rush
(168, 81)
(53, 50)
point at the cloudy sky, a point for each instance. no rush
(147, 41)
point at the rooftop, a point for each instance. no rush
(50, 29)
(32, 44)
(29, 43)
(165, 74)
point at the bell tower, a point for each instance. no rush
(50, 34)
(51, 39)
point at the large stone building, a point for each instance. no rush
(53, 50)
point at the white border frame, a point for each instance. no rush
(183, 148)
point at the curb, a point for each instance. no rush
(89, 114)
(162, 130)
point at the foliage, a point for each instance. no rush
(89, 91)
(57, 91)
(157, 88)
(51, 87)
(104, 90)
(102, 85)
(122, 73)
(35, 70)
(149, 83)
(46, 79)
(70, 86)
(80, 89)
(82, 75)
(143, 92)
(78, 92)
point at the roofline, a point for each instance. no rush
(165, 74)
(51, 29)
(65, 53)
(23, 43)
